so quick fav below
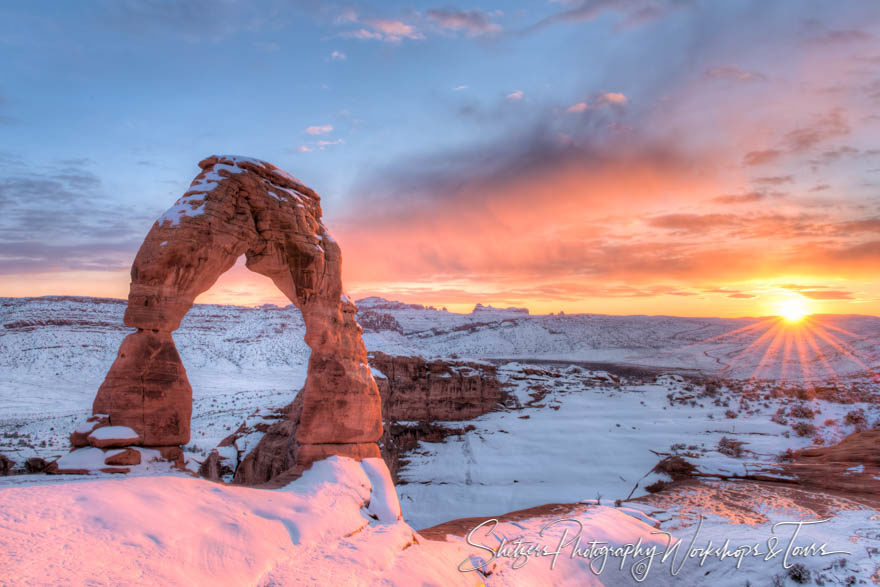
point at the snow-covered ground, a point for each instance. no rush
(340, 524)
(575, 430)
(54, 353)
(579, 434)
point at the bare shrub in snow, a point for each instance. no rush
(674, 466)
(801, 411)
(805, 394)
(779, 417)
(658, 486)
(804, 429)
(799, 574)
(712, 388)
(732, 448)
(857, 419)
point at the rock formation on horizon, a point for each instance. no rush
(240, 206)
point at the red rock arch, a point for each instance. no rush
(243, 206)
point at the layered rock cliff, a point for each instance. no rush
(416, 394)
(414, 388)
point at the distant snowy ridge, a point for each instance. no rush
(481, 308)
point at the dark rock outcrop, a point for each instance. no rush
(276, 451)
(851, 466)
(6, 465)
(35, 465)
(213, 467)
(435, 390)
(128, 456)
(377, 322)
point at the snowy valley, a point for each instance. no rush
(575, 410)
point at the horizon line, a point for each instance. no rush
(434, 308)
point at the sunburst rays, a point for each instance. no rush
(781, 344)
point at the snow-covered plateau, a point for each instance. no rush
(592, 404)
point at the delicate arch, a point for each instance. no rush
(241, 206)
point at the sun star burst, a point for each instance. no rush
(794, 310)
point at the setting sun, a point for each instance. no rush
(794, 309)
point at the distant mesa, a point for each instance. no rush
(238, 206)
(481, 308)
(377, 303)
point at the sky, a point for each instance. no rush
(682, 157)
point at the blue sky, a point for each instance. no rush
(166, 83)
(581, 154)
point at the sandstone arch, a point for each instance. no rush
(241, 206)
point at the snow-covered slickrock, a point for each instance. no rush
(239, 206)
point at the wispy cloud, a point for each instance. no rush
(747, 198)
(631, 12)
(321, 129)
(388, 30)
(473, 22)
(693, 222)
(597, 101)
(829, 125)
(320, 145)
(774, 180)
(761, 157)
(733, 74)
(612, 98)
(819, 292)
(840, 36)
(93, 233)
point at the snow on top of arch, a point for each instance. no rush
(294, 195)
(208, 181)
(287, 176)
(184, 207)
(236, 159)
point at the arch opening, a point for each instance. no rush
(242, 287)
